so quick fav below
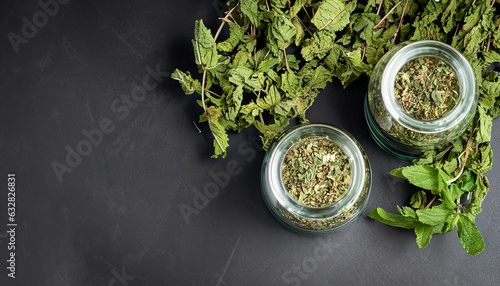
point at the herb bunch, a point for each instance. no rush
(281, 53)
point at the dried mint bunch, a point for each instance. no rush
(281, 53)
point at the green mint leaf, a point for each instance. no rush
(283, 31)
(448, 199)
(219, 131)
(407, 212)
(354, 67)
(278, 4)
(393, 219)
(267, 64)
(246, 77)
(188, 84)
(426, 159)
(434, 216)
(448, 16)
(482, 186)
(251, 9)
(301, 34)
(296, 7)
(235, 36)
(484, 133)
(419, 200)
(234, 103)
(481, 161)
(469, 236)
(450, 166)
(424, 235)
(333, 15)
(423, 176)
(316, 78)
(318, 46)
(205, 49)
(290, 83)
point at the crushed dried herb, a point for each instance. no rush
(426, 88)
(316, 172)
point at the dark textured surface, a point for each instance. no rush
(115, 219)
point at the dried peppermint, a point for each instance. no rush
(316, 172)
(426, 88)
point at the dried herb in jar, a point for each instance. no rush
(316, 172)
(426, 88)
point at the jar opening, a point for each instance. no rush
(316, 172)
(426, 88)
(322, 219)
(464, 75)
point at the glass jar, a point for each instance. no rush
(392, 128)
(315, 220)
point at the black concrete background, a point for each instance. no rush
(115, 219)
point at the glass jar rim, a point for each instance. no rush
(467, 96)
(348, 145)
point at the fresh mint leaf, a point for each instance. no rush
(423, 176)
(424, 235)
(469, 236)
(419, 200)
(392, 219)
(434, 216)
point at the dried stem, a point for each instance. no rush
(307, 14)
(213, 93)
(260, 113)
(224, 20)
(400, 23)
(467, 150)
(386, 15)
(302, 23)
(199, 130)
(286, 61)
(380, 7)
(430, 203)
(456, 31)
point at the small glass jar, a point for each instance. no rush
(400, 134)
(315, 220)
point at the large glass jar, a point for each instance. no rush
(397, 132)
(315, 220)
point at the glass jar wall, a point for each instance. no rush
(401, 134)
(315, 220)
